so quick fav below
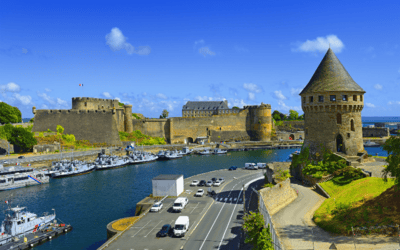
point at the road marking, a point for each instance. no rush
(165, 207)
(153, 228)
(188, 191)
(195, 207)
(140, 229)
(229, 220)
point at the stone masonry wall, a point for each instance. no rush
(152, 127)
(375, 132)
(4, 147)
(279, 196)
(94, 126)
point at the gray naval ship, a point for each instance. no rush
(18, 180)
(19, 222)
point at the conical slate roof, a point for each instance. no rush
(331, 76)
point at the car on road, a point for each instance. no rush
(194, 183)
(233, 168)
(199, 193)
(217, 183)
(202, 183)
(165, 230)
(213, 179)
(209, 183)
(156, 207)
(21, 157)
(221, 180)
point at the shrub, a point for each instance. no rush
(57, 151)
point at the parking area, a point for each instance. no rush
(143, 235)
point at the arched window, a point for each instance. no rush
(352, 125)
(339, 118)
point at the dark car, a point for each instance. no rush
(202, 183)
(21, 157)
(165, 230)
(233, 168)
(214, 180)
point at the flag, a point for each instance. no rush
(6, 202)
(81, 84)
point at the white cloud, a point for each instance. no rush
(237, 102)
(117, 41)
(44, 106)
(10, 87)
(295, 92)
(206, 51)
(252, 87)
(48, 90)
(283, 106)
(199, 41)
(378, 86)
(252, 96)
(62, 103)
(369, 105)
(45, 97)
(169, 105)
(321, 44)
(24, 51)
(395, 102)
(279, 95)
(24, 99)
(161, 96)
(204, 98)
(107, 95)
(119, 99)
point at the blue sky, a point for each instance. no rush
(158, 55)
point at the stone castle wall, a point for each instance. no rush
(97, 126)
(4, 147)
(278, 196)
(152, 127)
(87, 103)
(375, 132)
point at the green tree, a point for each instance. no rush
(121, 104)
(301, 117)
(60, 129)
(9, 114)
(293, 115)
(277, 117)
(252, 225)
(164, 114)
(22, 138)
(264, 241)
(8, 128)
(32, 120)
(392, 147)
(234, 107)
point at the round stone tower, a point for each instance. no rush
(128, 118)
(261, 122)
(332, 102)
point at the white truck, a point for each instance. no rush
(250, 166)
(181, 225)
(180, 204)
(262, 165)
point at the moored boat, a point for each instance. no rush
(19, 180)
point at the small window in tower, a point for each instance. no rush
(321, 98)
(352, 125)
(333, 98)
(304, 100)
(355, 98)
(344, 98)
(311, 99)
(361, 98)
(339, 118)
(85, 104)
(348, 135)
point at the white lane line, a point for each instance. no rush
(140, 229)
(195, 207)
(229, 220)
(166, 207)
(153, 228)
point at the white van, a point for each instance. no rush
(261, 165)
(181, 225)
(250, 166)
(180, 204)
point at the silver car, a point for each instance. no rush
(209, 183)
(221, 180)
(217, 183)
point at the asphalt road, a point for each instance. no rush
(214, 221)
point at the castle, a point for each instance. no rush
(332, 103)
(100, 120)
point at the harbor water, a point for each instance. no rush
(89, 202)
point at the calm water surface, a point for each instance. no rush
(89, 202)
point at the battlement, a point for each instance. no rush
(88, 99)
(73, 111)
(263, 105)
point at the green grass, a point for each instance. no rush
(383, 157)
(348, 205)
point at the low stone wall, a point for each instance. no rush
(375, 132)
(278, 197)
(46, 148)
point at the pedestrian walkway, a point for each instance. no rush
(297, 230)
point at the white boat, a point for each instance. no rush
(142, 157)
(18, 222)
(219, 151)
(297, 152)
(173, 155)
(112, 162)
(19, 180)
(371, 144)
(205, 152)
(76, 168)
(186, 151)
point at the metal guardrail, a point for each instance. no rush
(267, 220)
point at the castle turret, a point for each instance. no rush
(128, 118)
(332, 102)
(260, 122)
